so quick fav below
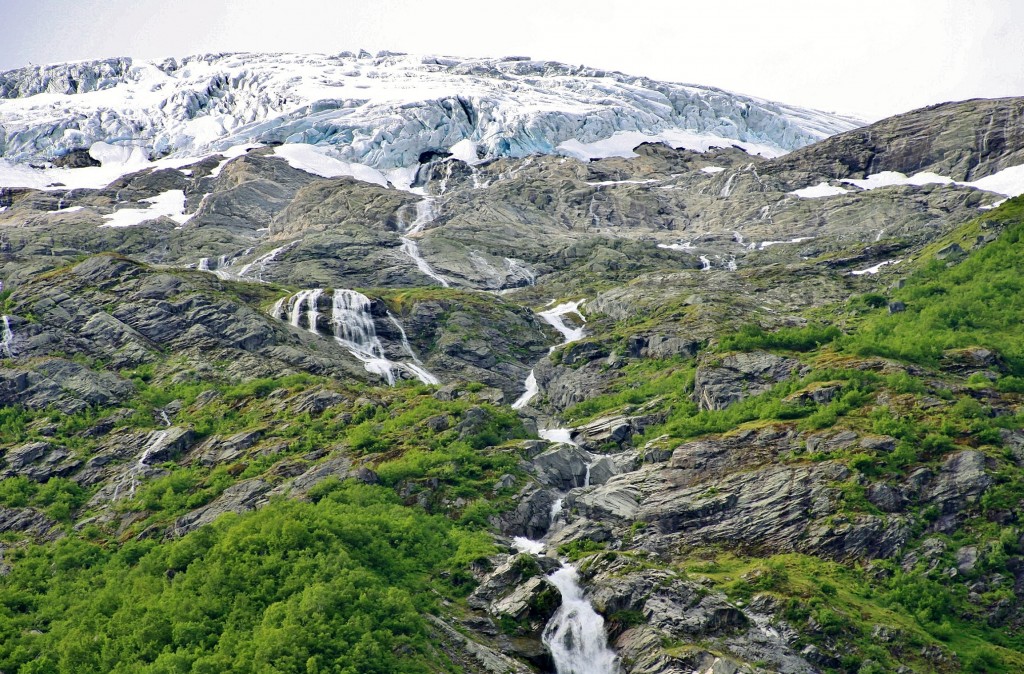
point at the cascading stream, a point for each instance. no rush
(155, 441)
(532, 389)
(259, 265)
(554, 318)
(354, 329)
(425, 214)
(352, 326)
(305, 300)
(575, 634)
(6, 337)
(417, 365)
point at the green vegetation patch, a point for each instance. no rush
(337, 585)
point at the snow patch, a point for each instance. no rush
(231, 153)
(317, 160)
(891, 178)
(1009, 182)
(622, 144)
(768, 244)
(169, 204)
(822, 189)
(605, 183)
(875, 269)
(465, 150)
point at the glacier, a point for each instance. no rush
(381, 111)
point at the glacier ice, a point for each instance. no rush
(379, 112)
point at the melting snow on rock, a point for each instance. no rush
(170, 204)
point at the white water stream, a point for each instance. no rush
(563, 435)
(532, 389)
(259, 265)
(7, 338)
(352, 327)
(575, 633)
(425, 214)
(554, 318)
(417, 365)
(154, 442)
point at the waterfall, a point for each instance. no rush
(425, 214)
(417, 365)
(218, 268)
(532, 389)
(727, 190)
(517, 268)
(561, 435)
(260, 263)
(156, 440)
(705, 263)
(556, 511)
(275, 311)
(352, 327)
(591, 212)
(575, 634)
(307, 299)
(477, 183)
(553, 317)
(7, 337)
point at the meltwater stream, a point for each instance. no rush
(425, 214)
(6, 337)
(554, 318)
(575, 634)
(353, 328)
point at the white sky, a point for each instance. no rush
(870, 58)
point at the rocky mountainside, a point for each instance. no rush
(440, 365)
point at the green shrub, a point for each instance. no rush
(751, 337)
